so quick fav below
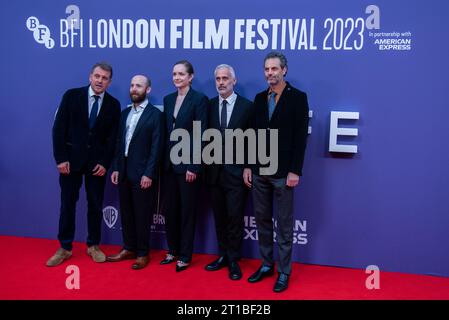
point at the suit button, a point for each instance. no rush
(88, 146)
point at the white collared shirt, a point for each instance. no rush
(131, 122)
(92, 100)
(229, 107)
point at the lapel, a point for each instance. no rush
(280, 105)
(183, 110)
(215, 114)
(123, 125)
(143, 118)
(236, 113)
(103, 111)
(170, 107)
(264, 112)
(124, 118)
(84, 103)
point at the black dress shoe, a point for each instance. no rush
(181, 266)
(234, 271)
(217, 264)
(281, 283)
(169, 258)
(262, 272)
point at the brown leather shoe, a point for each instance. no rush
(96, 254)
(141, 262)
(59, 257)
(122, 255)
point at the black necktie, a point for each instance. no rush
(224, 116)
(93, 112)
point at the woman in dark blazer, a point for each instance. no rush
(182, 182)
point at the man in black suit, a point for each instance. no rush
(84, 134)
(135, 168)
(228, 192)
(284, 108)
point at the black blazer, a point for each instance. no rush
(193, 108)
(240, 119)
(291, 118)
(144, 150)
(73, 141)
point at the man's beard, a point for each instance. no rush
(137, 98)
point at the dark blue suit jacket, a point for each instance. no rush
(144, 150)
(240, 119)
(73, 141)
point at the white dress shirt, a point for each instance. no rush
(229, 107)
(131, 122)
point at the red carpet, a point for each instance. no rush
(25, 276)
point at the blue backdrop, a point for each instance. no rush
(385, 205)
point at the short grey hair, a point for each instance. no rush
(225, 66)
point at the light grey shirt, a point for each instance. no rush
(131, 122)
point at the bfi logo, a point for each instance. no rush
(41, 33)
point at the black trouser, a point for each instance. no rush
(228, 197)
(136, 208)
(70, 186)
(180, 214)
(265, 191)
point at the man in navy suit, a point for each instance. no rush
(228, 193)
(284, 108)
(84, 134)
(135, 168)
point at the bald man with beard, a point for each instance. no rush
(135, 171)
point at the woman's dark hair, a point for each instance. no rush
(187, 64)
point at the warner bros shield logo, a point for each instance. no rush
(110, 216)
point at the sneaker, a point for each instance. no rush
(96, 254)
(59, 257)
